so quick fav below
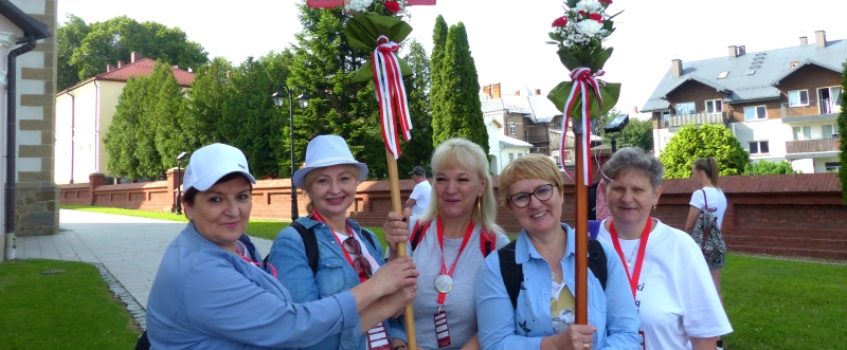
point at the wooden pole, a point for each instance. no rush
(397, 206)
(581, 228)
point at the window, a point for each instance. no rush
(513, 128)
(685, 108)
(511, 157)
(798, 98)
(759, 147)
(755, 112)
(802, 133)
(832, 167)
(714, 106)
(829, 100)
(827, 131)
(723, 75)
(666, 118)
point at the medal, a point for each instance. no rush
(443, 283)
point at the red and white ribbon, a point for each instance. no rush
(390, 95)
(583, 79)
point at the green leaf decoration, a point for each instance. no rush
(609, 91)
(365, 73)
(363, 30)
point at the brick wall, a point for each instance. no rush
(788, 215)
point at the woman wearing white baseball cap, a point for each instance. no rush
(213, 291)
(327, 252)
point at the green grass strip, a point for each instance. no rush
(47, 304)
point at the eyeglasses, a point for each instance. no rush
(360, 263)
(522, 199)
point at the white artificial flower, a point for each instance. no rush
(590, 27)
(357, 5)
(589, 6)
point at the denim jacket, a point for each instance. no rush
(612, 311)
(205, 297)
(334, 275)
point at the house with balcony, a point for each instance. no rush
(530, 118)
(84, 113)
(780, 104)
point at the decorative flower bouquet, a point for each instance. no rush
(380, 35)
(579, 36)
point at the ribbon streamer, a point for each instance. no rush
(582, 79)
(390, 95)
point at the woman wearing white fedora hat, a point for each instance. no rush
(213, 291)
(327, 252)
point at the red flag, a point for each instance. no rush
(420, 2)
(324, 4)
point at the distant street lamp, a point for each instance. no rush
(179, 183)
(616, 125)
(302, 100)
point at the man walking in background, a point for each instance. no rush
(419, 199)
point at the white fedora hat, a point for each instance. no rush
(324, 151)
(210, 163)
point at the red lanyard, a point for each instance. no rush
(317, 217)
(444, 271)
(639, 259)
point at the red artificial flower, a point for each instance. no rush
(392, 6)
(582, 14)
(606, 2)
(560, 22)
(596, 16)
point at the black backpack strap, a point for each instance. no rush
(417, 234)
(143, 342)
(597, 261)
(511, 271)
(310, 243)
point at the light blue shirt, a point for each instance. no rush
(334, 275)
(612, 311)
(205, 297)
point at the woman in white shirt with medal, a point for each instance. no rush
(669, 280)
(453, 238)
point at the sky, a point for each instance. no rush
(507, 38)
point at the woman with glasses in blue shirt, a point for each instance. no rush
(543, 314)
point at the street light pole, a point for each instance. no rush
(277, 99)
(179, 183)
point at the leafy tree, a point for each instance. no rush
(764, 167)
(120, 139)
(148, 129)
(462, 113)
(709, 140)
(637, 133)
(419, 150)
(84, 51)
(439, 41)
(167, 116)
(209, 101)
(842, 129)
(69, 37)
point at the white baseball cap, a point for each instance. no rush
(324, 151)
(210, 163)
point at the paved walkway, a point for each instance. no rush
(128, 248)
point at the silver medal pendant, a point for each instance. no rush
(443, 283)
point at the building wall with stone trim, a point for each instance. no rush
(36, 205)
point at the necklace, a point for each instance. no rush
(630, 258)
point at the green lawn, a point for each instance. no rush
(785, 304)
(72, 309)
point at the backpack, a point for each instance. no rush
(513, 272)
(486, 241)
(708, 236)
(310, 243)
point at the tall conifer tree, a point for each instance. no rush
(439, 41)
(462, 111)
